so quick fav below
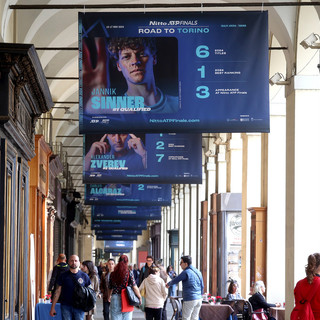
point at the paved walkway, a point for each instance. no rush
(137, 313)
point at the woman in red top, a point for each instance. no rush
(312, 279)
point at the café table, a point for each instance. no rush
(277, 313)
(42, 311)
(215, 311)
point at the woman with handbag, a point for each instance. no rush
(155, 294)
(87, 266)
(121, 278)
(307, 290)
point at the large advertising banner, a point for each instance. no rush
(173, 72)
(100, 213)
(128, 194)
(142, 158)
(119, 224)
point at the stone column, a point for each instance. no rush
(193, 232)
(302, 177)
(187, 216)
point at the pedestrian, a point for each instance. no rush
(87, 266)
(146, 268)
(165, 277)
(104, 284)
(65, 288)
(307, 290)
(155, 294)
(119, 279)
(192, 288)
(100, 269)
(60, 267)
(172, 274)
(136, 274)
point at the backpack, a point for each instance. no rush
(84, 298)
(303, 310)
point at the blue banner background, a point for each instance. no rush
(170, 158)
(221, 62)
(126, 212)
(129, 194)
(118, 244)
(120, 224)
(119, 231)
(117, 237)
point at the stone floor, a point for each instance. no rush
(137, 313)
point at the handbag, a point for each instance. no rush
(259, 314)
(143, 299)
(303, 311)
(125, 305)
(133, 299)
(84, 298)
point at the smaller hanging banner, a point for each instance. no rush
(128, 194)
(142, 158)
(119, 231)
(116, 237)
(120, 224)
(100, 213)
(118, 244)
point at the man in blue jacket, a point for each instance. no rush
(192, 285)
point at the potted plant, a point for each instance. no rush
(218, 299)
(210, 299)
(47, 298)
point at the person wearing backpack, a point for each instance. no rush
(66, 284)
(59, 268)
(87, 266)
(307, 292)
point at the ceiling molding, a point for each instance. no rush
(145, 6)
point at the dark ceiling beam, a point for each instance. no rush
(66, 102)
(62, 136)
(62, 78)
(200, 6)
(278, 48)
(61, 107)
(58, 48)
(60, 119)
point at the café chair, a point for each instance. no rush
(239, 307)
(258, 314)
(231, 303)
(177, 308)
